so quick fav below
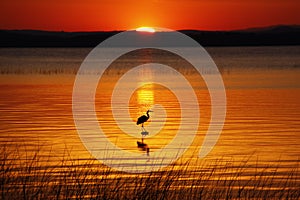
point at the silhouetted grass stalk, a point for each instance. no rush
(34, 176)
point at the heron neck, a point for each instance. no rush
(147, 113)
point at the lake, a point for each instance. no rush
(261, 130)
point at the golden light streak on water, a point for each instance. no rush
(145, 98)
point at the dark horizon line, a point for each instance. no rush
(185, 29)
(264, 36)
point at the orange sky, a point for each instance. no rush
(93, 15)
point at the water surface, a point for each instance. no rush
(262, 88)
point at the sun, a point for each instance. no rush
(145, 29)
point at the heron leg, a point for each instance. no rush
(143, 129)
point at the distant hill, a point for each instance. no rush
(265, 36)
(274, 35)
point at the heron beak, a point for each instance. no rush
(151, 111)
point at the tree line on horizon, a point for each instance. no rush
(275, 35)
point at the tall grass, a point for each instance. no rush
(35, 175)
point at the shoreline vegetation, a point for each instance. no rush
(67, 61)
(264, 36)
(33, 174)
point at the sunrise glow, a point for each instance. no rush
(145, 29)
(124, 15)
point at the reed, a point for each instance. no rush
(25, 175)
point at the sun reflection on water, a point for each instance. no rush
(145, 94)
(145, 97)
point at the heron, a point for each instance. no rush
(143, 119)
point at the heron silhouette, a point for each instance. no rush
(143, 119)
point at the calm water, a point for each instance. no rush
(263, 110)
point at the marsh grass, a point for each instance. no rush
(36, 175)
